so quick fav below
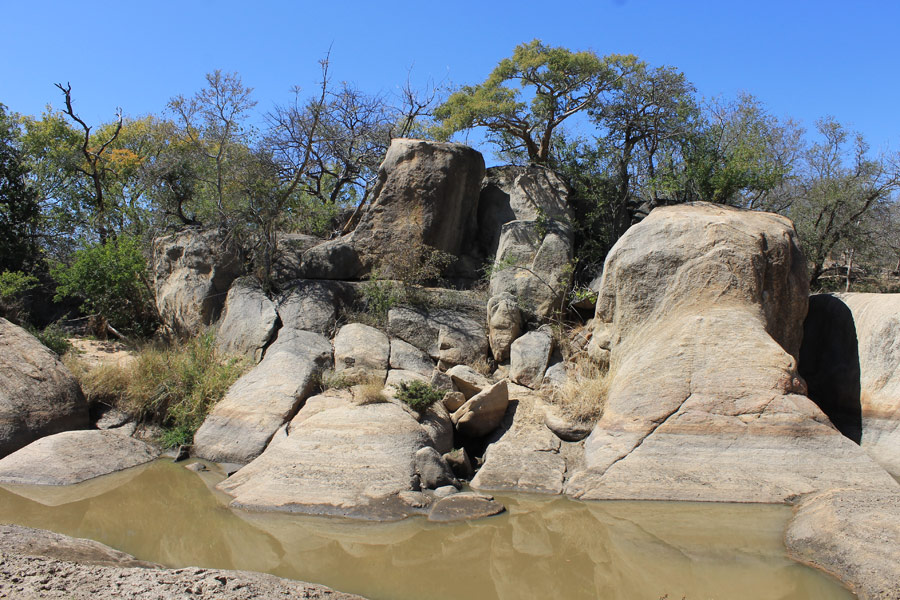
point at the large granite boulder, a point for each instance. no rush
(74, 456)
(426, 195)
(314, 305)
(529, 357)
(38, 395)
(193, 270)
(450, 337)
(526, 224)
(483, 412)
(700, 316)
(337, 458)
(240, 426)
(853, 535)
(851, 360)
(249, 321)
(360, 348)
(504, 324)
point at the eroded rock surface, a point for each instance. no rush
(74, 456)
(38, 395)
(241, 424)
(853, 535)
(448, 336)
(249, 321)
(193, 270)
(700, 316)
(336, 458)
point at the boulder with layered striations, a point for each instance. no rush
(193, 270)
(38, 395)
(336, 458)
(700, 316)
(240, 426)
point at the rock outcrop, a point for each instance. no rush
(240, 426)
(314, 305)
(447, 336)
(249, 322)
(853, 535)
(335, 458)
(504, 324)
(851, 360)
(426, 195)
(74, 456)
(360, 348)
(529, 357)
(526, 225)
(700, 316)
(483, 412)
(193, 270)
(38, 395)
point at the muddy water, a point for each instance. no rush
(541, 548)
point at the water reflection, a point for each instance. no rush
(541, 548)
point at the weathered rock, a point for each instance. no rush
(460, 463)
(529, 357)
(444, 491)
(445, 335)
(432, 469)
(527, 460)
(314, 305)
(397, 376)
(853, 535)
(336, 458)
(463, 507)
(249, 321)
(15, 539)
(513, 193)
(700, 315)
(453, 400)
(38, 395)
(74, 456)
(409, 358)
(111, 418)
(360, 347)
(441, 381)
(193, 270)
(437, 423)
(289, 256)
(483, 412)
(504, 324)
(241, 424)
(40, 564)
(426, 195)
(334, 259)
(851, 360)
(565, 429)
(467, 380)
(555, 376)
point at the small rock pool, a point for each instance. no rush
(540, 548)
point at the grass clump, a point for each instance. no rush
(582, 397)
(53, 337)
(173, 386)
(418, 395)
(369, 393)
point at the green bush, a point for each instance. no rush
(111, 281)
(418, 395)
(53, 337)
(13, 286)
(172, 386)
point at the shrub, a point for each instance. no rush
(173, 386)
(418, 395)
(53, 337)
(13, 286)
(111, 281)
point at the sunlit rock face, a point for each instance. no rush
(700, 316)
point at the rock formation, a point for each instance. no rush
(850, 358)
(193, 270)
(38, 395)
(249, 321)
(700, 316)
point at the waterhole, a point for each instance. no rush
(540, 548)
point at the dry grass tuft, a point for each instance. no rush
(483, 365)
(369, 393)
(174, 386)
(582, 397)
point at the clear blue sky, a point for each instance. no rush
(802, 59)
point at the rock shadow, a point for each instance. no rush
(829, 362)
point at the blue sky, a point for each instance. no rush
(802, 59)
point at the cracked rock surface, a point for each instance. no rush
(700, 316)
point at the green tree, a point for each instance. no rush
(554, 84)
(19, 207)
(836, 193)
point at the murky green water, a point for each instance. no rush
(541, 548)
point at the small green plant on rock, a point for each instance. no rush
(418, 395)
